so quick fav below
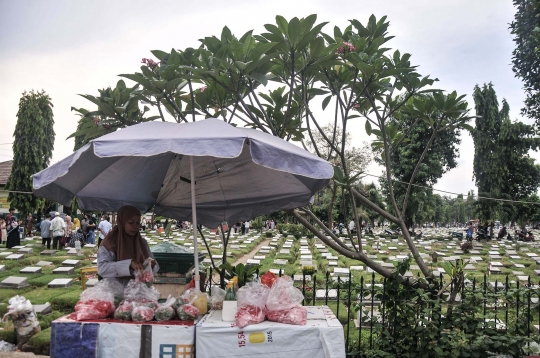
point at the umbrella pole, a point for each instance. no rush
(194, 223)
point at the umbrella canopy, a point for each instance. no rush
(239, 173)
(206, 171)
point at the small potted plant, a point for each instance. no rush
(308, 270)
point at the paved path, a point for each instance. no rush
(243, 259)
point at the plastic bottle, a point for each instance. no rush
(229, 305)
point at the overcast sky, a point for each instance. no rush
(75, 47)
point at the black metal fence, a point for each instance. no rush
(374, 311)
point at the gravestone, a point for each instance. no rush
(60, 282)
(44, 263)
(497, 264)
(15, 257)
(25, 250)
(301, 278)
(43, 309)
(30, 269)
(515, 257)
(338, 271)
(71, 263)
(280, 262)
(14, 282)
(2, 268)
(48, 252)
(519, 265)
(64, 270)
(332, 263)
(253, 261)
(356, 268)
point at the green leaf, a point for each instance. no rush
(294, 31)
(283, 25)
(159, 54)
(368, 127)
(338, 174)
(326, 101)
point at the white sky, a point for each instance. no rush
(74, 47)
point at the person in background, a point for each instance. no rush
(76, 225)
(45, 231)
(3, 231)
(247, 224)
(76, 235)
(90, 227)
(143, 223)
(10, 215)
(104, 228)
(123, 250)
(69, 230)
(29, 224)
(84, 223)
(57, 231)
(13, 236)
(502, 233)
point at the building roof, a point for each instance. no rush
(5, 171)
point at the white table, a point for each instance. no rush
(321, 337)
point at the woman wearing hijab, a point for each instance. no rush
(76, 225)
(69, 230)
(123, 251)
(13, 237)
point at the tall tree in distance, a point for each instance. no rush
(32, 147)
(526, 55)
(486, 164)
(502, 165)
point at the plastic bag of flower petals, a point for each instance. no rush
(145, 276)
(251, 304)
(139, 292)
(94, 303)
(165, 311)
(296, 315)
(142, 313)
(187, 312)
(284, 303)
(124, 310)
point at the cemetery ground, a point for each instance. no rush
(38, 272)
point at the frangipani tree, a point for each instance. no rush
(276, 82)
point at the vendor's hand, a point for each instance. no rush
(153, 263)
(136, 266)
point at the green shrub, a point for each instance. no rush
(269, 234)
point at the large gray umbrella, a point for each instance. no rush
(232, 174)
